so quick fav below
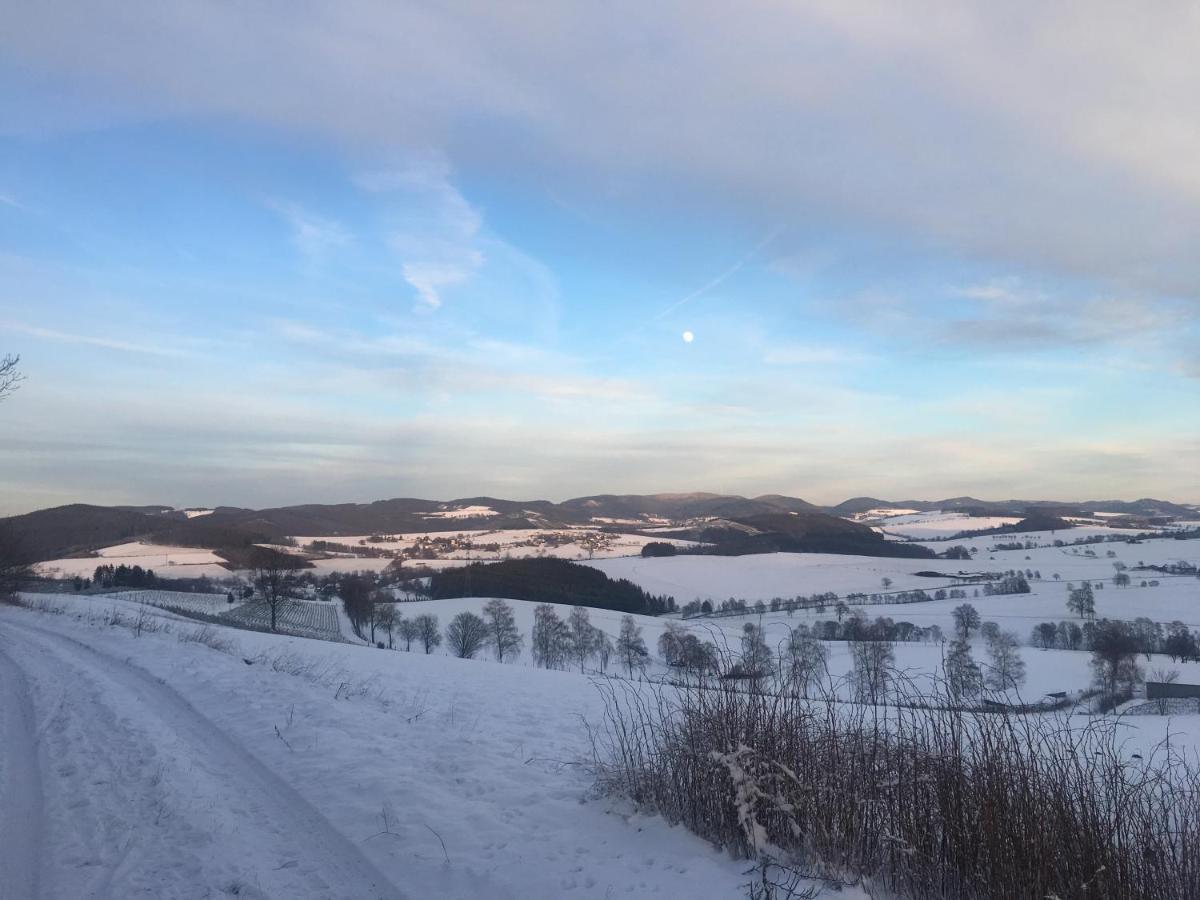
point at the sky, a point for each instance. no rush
(269, 253)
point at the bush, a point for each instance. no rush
(922, 803)
(209, 637)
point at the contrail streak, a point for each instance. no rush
(728, 273)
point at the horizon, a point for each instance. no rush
(819, 504)
(543, 250)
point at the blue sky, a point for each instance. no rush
(270, 255)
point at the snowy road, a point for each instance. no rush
(113, 785)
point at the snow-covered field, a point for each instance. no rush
(332, 769)
(445, 548)
(272, 766)
(462, 512)
(206, 604)
(926, 526)
(790, 574)
(764, 576)
(165, 561)
(158, 767)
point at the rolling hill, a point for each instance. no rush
(735, 523)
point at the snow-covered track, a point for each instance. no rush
(20, 783)
(142, 796)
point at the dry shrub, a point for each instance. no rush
(923, 801)
(209, 637)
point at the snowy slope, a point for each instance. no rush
(322, 770)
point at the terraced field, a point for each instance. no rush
(299, 617)
(181, 601)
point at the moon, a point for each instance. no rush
(688, 337)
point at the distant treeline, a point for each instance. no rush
(123, 576)
(547, 581)
(730, 542)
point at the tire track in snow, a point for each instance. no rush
(20, 784)
(148, 776)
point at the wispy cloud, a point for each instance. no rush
(1009, 314)
(466, 366)
(315, 237)
(92, 340)
(1080, 159)
(433, 228)
(1013, 316)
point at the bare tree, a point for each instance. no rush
(15, 558)
(670, 644)
(1114, 658)
(503, 635)
(604, 649)
(1082, 601)
(10, 375)
(966, 619)
(386, 620)
(872, 671)
(408, 631)
(379, 601)
(428, 632)
(582, 634)
(1008, 669)
(274, 576)
(807, 660)
(631, 646)
(355, 591)
(1165, 676)
(466, 635)
(756, 655)
(963, 676)
(551, 638)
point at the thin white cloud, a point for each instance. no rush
(315, 237)
(460, 368)
(1012, 316)
(432, 227)
(92, 340)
